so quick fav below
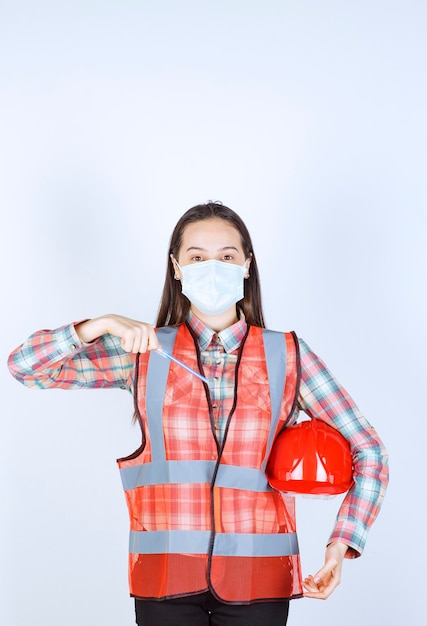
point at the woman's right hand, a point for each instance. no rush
(135, 336)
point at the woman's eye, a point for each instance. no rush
(196, 258)
(228, 257)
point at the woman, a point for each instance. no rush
(210, 541)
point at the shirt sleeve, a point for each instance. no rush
(59, 359)
(322, 397)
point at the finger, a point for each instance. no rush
(314, 591)
(127, 342)
(134, 340)
(141, 341)
(309, 584)
(146, 339)
(140, 345)
(322, 594)
(149, 339)
(153, 342)
(315, 596)
(321, 585)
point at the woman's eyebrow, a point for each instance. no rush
(219, 249)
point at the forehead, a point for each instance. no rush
(211, 233)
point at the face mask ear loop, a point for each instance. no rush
(173, 259)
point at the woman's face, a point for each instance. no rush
(209, 239)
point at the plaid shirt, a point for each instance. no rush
(59, 359)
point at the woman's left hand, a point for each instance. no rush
(327, 579)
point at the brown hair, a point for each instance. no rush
(174, 306)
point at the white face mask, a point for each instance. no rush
(213, 286)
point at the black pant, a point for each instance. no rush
(204, 610)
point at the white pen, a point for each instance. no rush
(166, 355)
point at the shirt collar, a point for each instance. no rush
(230, 338)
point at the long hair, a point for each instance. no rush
(174, 306)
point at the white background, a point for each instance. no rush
(308, 119)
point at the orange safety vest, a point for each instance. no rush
(202, 514)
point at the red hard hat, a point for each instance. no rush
(310, 458)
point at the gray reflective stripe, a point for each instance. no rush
(168, 472)
(275, 356)
(237, 477)
(157, 375)
(169, 542)
(245, 544)
(172, 472)
(226, 544)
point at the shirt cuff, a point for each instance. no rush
(67, 340)
(352, 534)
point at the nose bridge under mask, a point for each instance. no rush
(211, 267)
(210, 276)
